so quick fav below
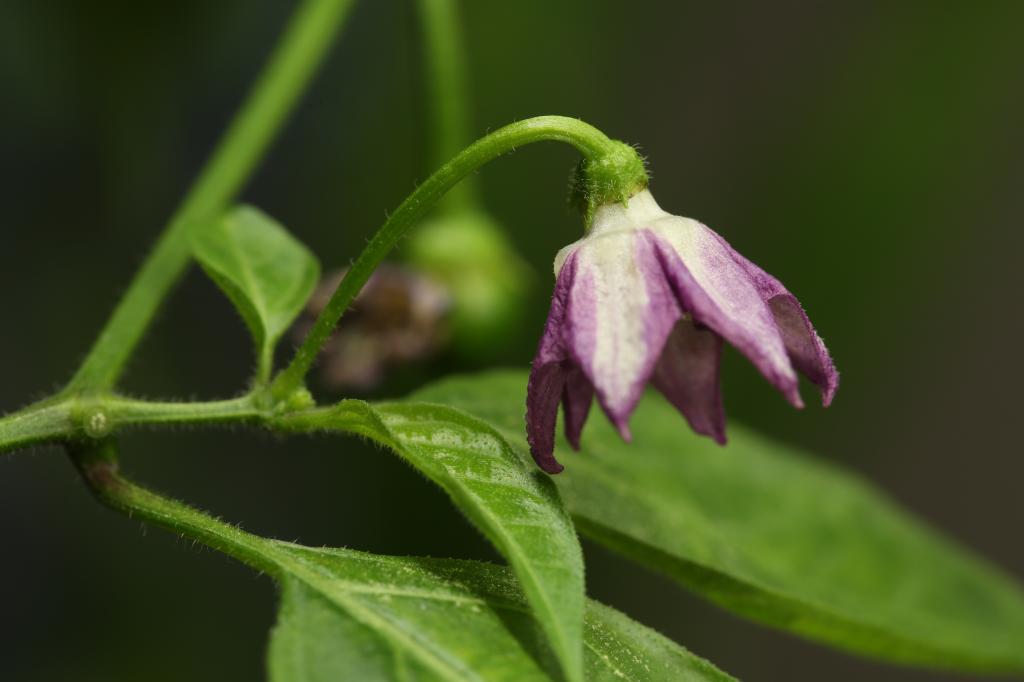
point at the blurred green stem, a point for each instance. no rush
(447, 93)
(300, 51)
(597, 149)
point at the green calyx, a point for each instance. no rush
(614, 176)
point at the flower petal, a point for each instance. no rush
(687, 374)
(543, 393)
(552, 346)
(620, 311)
(577, 395)
(548, 375)
(806, 349)
(719, 294)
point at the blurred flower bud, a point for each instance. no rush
(399, 317)
(488, 282)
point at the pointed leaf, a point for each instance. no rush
(347, 615)
(773, 534)
(503, 494)
(266, 273)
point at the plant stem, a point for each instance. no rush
(591, 142)
(97, 462)
(300, 51)
(128, 412)
(445, 75)
(35, 424)
(71, 418)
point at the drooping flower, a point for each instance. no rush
(649, 296)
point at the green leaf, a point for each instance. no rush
(516, 506)
(315, 640)
(347, 615)
(266, 273)
(773, 534)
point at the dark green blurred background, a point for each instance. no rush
(870, 155)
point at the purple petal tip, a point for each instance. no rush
(794, 399)
(549, 464)
(828, 392)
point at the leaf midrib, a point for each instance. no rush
(248, 277)
(492, 602)
(942, 647)
(297, 568)
(267, 321)
(524, 567)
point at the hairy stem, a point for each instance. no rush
(40, 423)
(88, 418)
(97, 462)
(591, 142)
(300, 51)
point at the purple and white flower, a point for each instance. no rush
(646, 295)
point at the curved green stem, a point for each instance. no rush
(445, 75)
(289, 70)
(595, 146)
(97, 462)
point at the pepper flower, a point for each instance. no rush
(649, 296)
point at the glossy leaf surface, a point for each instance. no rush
(347, 615)
(517, 507)
(773, 534)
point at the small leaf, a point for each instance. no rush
(774, 535)
(513, 504)
(266, 273)
(347, 615)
